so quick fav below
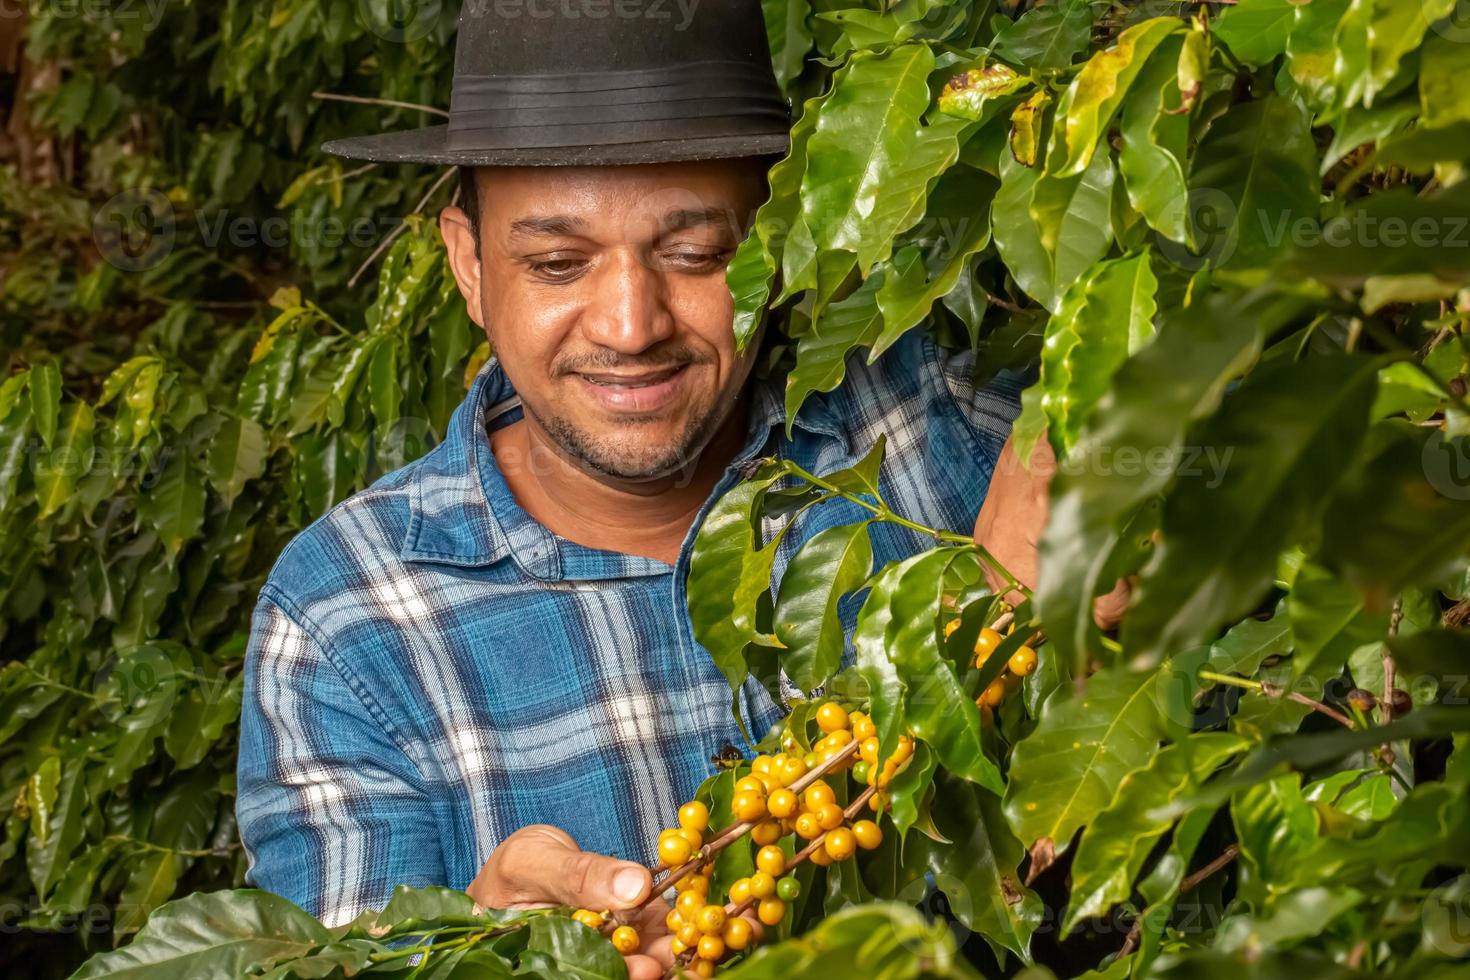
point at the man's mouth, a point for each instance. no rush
(634, 391)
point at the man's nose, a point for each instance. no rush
(628, 311)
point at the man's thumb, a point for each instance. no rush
(598, 882)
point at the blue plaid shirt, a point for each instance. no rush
(431, 669)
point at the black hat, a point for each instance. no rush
(561, 82)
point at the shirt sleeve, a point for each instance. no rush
(332, 813)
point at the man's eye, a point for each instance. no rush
(700, 260)
(556, 268)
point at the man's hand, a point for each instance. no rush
(541, 865)
(1012, 519)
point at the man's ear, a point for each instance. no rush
(464, 259)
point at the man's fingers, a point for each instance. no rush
(542, 865)
(597, 882)
(641, 967)
(1107, 610)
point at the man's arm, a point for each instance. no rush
(1013, 517)
(334, 815)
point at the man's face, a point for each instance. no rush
(602, 291)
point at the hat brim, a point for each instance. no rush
(430, 144)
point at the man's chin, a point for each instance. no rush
(653, 455)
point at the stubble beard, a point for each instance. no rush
(608, 457)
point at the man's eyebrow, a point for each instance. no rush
(680, 218)
(549, 224)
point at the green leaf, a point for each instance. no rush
(1049, 35)
(959, 210)
(1098, 90)
(578, 952)
(1392, 33)
(1118, 840)
(871, 157)
(1255, 31)
(1289, 429)
(1154, 157)
(729, 570)
(1254, 178)
(1049, 230)
(56, 797)
(1154, 395)
(142, 399)
(1277, 829)
(1067, 771)
(1104, 318)
(174, 506)
(385, 390)
(45, 392)
(1399, 519)
(57, 479)
(821, 353)
(1443, 66)
(911, 684)
(237, 455)
(211, 934)
(832, 564)
(978, 872)
(789, 36)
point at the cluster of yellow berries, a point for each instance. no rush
(1021, 663)
(784, 794)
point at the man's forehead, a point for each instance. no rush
(572, 200)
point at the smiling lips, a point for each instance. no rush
(634, 392)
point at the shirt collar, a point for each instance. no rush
(462, 512)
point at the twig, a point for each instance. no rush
(1272, 691)
(740, 908)
(728, 835)
(402, 226)
(1187, 885)
(392, 103)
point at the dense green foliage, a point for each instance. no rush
(1234, 239)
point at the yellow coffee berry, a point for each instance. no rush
(840, 844)
(588, 918)
(625, 939)
(868, 750)
(750, 784)
(739, 890)
(862, 727)
(771, 911)
(673, 920)
(829, 816)
(767, 831)
(738, 933)
(689, 933)
(711, 947)
(838, 739)
(816, 794)
(762, 885)
(1022, 662)
(674, 850)
(868, 834)
(985, 645)
(694, 837)
(771, 860)
(695, 816)
(789, 770)
(831, 717)
(688, 904)
(995, 693)
(820, 857)
(703, 968)
(761, 765)
(711, 919)
(749, 807)
(781, 803)
(808, 826)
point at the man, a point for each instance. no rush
(479, 671)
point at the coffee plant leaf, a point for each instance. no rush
(834, 563)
